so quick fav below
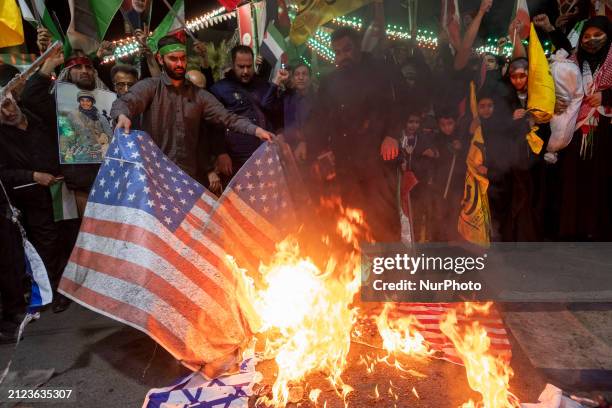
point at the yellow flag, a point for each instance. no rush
(11, 28)
(474, 222)
(540, 83)
(314, 13)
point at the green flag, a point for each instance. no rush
(169, 25)
(89, 21)
(64, 202)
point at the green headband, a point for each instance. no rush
(167, 49)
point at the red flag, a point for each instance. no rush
(229, 4)
(245, 25)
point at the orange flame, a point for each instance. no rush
(306, 313)
(400, 336)
(487, 374)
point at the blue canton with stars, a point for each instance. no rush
(136, 174)
(262, 185)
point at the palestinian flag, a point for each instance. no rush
(169, 25)
(522, 13)
(89, 21)
(274, 47)
(11, 28)
(35, 12)
(64, 202)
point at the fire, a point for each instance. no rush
(487, 374)
(306, 314)
(400, 336)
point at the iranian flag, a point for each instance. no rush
(169, 25)
(35, 12)
(89, 21)
(522, 13)
(64, 202)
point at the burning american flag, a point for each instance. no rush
(153, 246)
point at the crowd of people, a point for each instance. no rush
(388, 130)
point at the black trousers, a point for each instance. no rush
(12, 267)
(42, 231)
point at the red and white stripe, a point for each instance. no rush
(176, 287)
(430, 315)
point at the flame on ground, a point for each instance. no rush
(487, 374)
(307, 316)
(400, 336)
(307, 313)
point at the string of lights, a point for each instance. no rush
(129, 46)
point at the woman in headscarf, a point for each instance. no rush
(586, 164)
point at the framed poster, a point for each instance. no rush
(83, 123)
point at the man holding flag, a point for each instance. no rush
(29, 165)
(173, 108)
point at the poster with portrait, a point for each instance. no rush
(83, 123)
(136, 14)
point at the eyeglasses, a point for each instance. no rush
(123, 84)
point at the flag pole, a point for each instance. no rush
(180, 19)
(255, 29)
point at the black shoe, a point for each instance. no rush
(61, 304)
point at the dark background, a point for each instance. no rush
(495, 22)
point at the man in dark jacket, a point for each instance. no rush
(352, 119)
(245, 94)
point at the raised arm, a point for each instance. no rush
(465, 50)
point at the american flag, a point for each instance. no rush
(430, 315)
(153, 245)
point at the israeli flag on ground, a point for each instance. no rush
(193, 391)
(41, 287)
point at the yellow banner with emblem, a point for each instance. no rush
(475, 219)
(314, 13)
(540, 90)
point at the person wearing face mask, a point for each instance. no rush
(586, 168)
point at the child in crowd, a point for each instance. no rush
(449, 178)
(419, 154)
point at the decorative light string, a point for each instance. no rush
(129, 46)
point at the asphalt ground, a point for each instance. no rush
(108, 364)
